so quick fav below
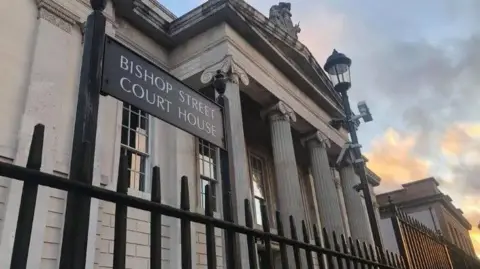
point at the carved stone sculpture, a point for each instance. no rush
(281, 16)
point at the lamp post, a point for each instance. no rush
(338, 68)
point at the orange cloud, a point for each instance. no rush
(460, 139)
(470, 207)
(392, 158)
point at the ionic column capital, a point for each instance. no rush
(280, 112)
(316, 139)
(230, 68)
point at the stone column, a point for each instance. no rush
(240, 179)
(357, 215)
(326, 193)
(289, 198)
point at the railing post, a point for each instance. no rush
(397, 229)
(28, 201)
(120, 232)
(75, 233)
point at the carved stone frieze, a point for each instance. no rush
(57, 15)
(280, 111)
(228, 66)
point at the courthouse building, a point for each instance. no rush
(285, 153)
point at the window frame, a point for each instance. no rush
(149, 133)
(201, 178)
(268, 186)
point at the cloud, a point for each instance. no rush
(391, 157)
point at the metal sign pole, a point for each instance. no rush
(75, 233)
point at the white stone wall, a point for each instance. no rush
(41, 51)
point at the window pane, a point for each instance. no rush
(207, 155)
(258, 212)
(134, 140)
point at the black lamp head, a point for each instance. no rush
(219, 83)
(98, 5)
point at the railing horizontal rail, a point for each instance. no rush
(49, 180)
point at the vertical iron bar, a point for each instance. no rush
(382, 258)
(75, 232)
(370, 254)
(28, 202)
(318, 243)
(399, 236)
(156, 222)
(363, 265)
(330, 257)
(120, 230)
(210, 230)
(252, 256)
(420, 243)
(388, 261)
(185, 226)
(296, 249)
(283, 246)
(392, 258)
(337, 249)
(267, 241)
(355, 265)
(412, 251)
(306, 239)
(348, 262)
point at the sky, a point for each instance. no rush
(415, 63)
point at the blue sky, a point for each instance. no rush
(416, 65)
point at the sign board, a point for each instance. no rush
(133, 79)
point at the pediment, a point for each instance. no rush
(284, 51)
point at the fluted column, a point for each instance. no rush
(289, 198)
(239, 177)
(326, 192)
(357, 215)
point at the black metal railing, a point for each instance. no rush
(331, 251)
(424, 248)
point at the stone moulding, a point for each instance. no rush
(229, 67)
(57, 15)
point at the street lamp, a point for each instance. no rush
(338, 68)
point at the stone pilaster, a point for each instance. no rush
(326, 192)
(289, 198)
(356, 211)
(237, 151)
(47, 84)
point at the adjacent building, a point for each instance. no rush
(423, 201)
(285, 153)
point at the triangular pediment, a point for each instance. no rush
(284, 51)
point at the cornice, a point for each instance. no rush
(57, 15)
(440, 197)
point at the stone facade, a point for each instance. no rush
(41, 50)
(423, 200)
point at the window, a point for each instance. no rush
(134, 144)
(207, 166)
(307, 198)
(258, 179)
